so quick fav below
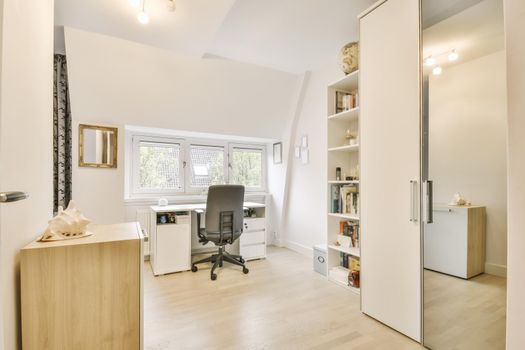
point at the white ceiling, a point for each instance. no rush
(475, 32)
(188, 30)
(435, 11)
(290, 35)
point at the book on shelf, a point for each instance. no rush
(335, 198)
(345, 101)
(353, 265)
(344, 199)
(349, 200)
(354, 273)
(349, 229)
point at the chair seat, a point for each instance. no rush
(216, 236)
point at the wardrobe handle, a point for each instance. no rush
(413, 200)
(429, 202)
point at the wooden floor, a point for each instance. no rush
(464, 314)
(280, 304)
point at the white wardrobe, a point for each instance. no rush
(390, 160)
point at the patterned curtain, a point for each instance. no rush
(61, 134)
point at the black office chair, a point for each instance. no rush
(224, 220)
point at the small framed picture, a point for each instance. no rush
(304, 141)
(304, 155)
(277, 153)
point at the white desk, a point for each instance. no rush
(172, 244)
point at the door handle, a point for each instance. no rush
(14, 196)
(413, 201)
(429, 195)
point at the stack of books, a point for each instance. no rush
(345, 199)
(350, 229)
(345, 101)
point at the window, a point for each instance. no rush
(206, 166)
(247, 167)
(170, 166)
(157, 166)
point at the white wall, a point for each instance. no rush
(118, 82)
(468, 144)
(304, 215)
(515, 46)
(26, 142)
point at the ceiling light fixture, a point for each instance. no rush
(143, 16)
(437, 70)
(453, 55)
(430, 61)
(134, 3)
(171, 5)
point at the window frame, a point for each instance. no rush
(185, 143)
(135, 165)
(189, 189)
(255, 147)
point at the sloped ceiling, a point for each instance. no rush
(474, 32)
(188, 31)
(289, 35)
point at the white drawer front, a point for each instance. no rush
(173, 248)
(252, 237)
(252, 224)
(446, 242)
(253, 251)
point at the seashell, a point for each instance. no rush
(67, 224)
(459, 200)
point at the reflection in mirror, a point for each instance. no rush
(464, 151)
(97, 146)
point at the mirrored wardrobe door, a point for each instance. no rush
(464, 163)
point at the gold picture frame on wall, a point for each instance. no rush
(97, 146)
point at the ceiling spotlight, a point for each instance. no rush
(437, 70)
(453, 55)
(134, 3)
(430, 61)
(171, 5)
(143, 17)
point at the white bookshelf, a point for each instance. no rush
(342, 182)
(350, 251)
(344, 216)
(337, 275)
(349, 115)
(345, 156)
(345, 148)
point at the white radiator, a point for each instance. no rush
(143, 217)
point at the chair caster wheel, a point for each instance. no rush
(213, 277)
(220, 264)
(245, 270)
(194, 268)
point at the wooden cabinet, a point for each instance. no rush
(389, 89)
(84, 293)
(455, 241)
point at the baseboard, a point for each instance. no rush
(496, 270)
(299, 248)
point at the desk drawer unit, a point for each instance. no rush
(254, 224)
(252, 243)
(251, 252)
(256, 237)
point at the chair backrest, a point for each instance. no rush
(223, 198)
